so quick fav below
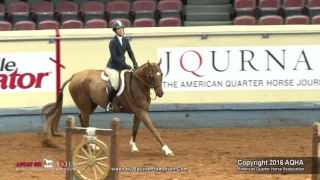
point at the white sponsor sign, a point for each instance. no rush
(240, 68)
(27, 72)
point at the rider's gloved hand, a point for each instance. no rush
(129, 67)
(135, 65)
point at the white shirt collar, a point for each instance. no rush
(120, 39)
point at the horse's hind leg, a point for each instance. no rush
(81, 120)
(143, 115)
(85, 118)
(85, 113)
(135, 128)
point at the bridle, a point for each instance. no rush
(150, 78)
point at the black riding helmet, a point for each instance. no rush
(116, 25)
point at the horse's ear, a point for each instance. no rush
(159, 63)
(148, 63)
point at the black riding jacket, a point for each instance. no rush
(117, 59)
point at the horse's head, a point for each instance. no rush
(154, 77)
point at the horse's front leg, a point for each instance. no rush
(144, 117)
(135, 128)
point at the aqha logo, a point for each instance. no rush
(11, 76)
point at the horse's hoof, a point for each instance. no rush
(167, 151)
(170, 154)
(134, 150)
(134, 147)
(48, 143)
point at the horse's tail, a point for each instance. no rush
(50, 115)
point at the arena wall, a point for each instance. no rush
(88, 48)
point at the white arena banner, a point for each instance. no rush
(27, 72)
(240, 68)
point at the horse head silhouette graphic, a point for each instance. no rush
(48, 162)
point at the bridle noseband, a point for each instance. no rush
(151, 82)
(152, 86)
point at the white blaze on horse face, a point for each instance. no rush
(158, 73)
(133, 146)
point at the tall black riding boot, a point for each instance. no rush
(111, 93)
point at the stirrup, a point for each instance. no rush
(109, 107)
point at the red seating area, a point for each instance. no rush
(276, 12)
(74, 14)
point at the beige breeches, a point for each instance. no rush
(114, 77)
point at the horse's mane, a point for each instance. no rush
(142, 65)
(146, 64)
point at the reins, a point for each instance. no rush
(150, 86)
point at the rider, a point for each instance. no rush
(118, 47)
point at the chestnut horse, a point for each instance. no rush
(88, 90)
